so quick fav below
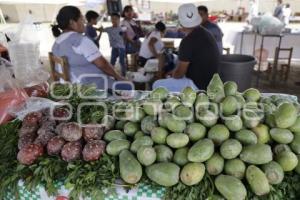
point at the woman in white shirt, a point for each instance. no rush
(133, 31)
(152, 45)
(86, 63)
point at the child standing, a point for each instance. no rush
(90, 31)
(116, 40)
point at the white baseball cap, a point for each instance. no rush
(188, 16)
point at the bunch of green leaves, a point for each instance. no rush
(82, 94)
(289, 189)
(8, 154)
(93, 179)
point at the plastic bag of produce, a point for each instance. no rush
(40, 90)
(269, 25)
(10, 94)
(33, 104)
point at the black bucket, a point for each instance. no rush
(237, 68)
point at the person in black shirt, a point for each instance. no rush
(199, 55)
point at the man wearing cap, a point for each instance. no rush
(199, 55)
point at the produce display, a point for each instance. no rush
(214, 144)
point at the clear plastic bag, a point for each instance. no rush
(32, 104)
(11, 95)
(24, 51)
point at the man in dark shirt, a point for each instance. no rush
(213, 28)
(199, 56)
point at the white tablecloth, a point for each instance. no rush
(233, 40)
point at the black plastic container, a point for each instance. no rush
(237, 68)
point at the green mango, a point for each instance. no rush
(296, 126)
(146, 155)
(176, 125)
(152, 107)
(252, 95)
(180, 156)
(141, 141)
(183, 113)
(295, 145)
(274, 172)
(120, 125)
(230, 149)
(130, 128)
(257, 180)
(108, 121)
(188, 96)
(286, 115)
(281, 136)
(177, 140)
(287, 160)
(202, 102)
(192, 173)
(130, 168)
(114, 135)
(163, 153)
(262, 133)
(246, 137)
(229, 105)
(240, 99)
(138, 134)
(281, 148)
(215, 89)
(230, 187)
(195, 131)
(297, 169)
(218, 134)
(148, 123)
(257, 154)
(230, 88)
(163, 117)
(201, 151)
(234, 123)
(172, 103)
(207, 118)
(164, 174)
(159, 135)
(160, 93)
(235, 167)
(270, 120)
(250, 118)
(115, 147)
(136, 114)
(215, 164)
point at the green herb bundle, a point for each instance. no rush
(93, 179)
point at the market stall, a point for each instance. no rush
(152, 145)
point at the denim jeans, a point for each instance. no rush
(121, 53)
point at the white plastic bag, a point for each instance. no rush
(24, 51)
(269, 25)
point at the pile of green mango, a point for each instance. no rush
(237, 138)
